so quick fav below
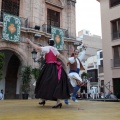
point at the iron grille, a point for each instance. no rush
(53, 18)
(47, 29)
(11, 6)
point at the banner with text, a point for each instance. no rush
(11, 28)
(58, 36)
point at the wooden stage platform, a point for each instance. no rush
(83, 110)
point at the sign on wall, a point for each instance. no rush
(58, 36)
(11, 28)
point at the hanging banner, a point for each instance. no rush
(58, 36)
(11, 28)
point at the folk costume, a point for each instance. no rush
(53, 82)
(75, 67)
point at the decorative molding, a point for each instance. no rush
(71, 2)
(56, 3)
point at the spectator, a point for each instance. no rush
(1, 95)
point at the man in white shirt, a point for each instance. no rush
(75, 67)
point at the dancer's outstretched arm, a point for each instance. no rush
(38, 48)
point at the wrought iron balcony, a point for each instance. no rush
(24, 21)
(115, 62)
(47, 29)
(115, 35)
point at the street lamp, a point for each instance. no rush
(34, 55)
(40, 60)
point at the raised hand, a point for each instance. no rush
(27, 40)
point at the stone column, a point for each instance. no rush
(71, 18)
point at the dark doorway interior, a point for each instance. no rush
(116, 86)
(11, 77)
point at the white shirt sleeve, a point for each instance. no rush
(71, 60)
(58, 53)
(81, 55)
(45, 49)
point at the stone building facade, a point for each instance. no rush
(110, 19)
(36, 17)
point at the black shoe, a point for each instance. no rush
(58, 105)
(42, 103)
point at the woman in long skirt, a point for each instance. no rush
(53, 82)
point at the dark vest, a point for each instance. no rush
(74, 65)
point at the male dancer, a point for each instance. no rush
(75, 67)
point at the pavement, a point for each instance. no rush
(82, 110)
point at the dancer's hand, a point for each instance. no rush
(78, 82)
(85, 46)
(27, 40)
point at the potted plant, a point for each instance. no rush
(84, 75)
(36, 72)
(26, 80)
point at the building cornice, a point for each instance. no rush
(54, 4)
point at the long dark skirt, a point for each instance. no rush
(49, 87)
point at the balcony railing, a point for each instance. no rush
(24, 21)
(47, 28)
(115, 62)
(115, 35)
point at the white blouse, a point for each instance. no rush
(47, 49)
(72, 59)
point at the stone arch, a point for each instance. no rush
(20, 53)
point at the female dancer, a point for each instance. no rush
(53, 82)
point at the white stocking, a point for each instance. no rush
(58, 101)
(42, 100)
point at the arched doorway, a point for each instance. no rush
(11, 77)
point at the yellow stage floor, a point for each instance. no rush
(83, 110)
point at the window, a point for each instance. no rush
(115, 29)
(93, 75)
(87, 32)
(11, 6)
(102, 86)
(101, 66)
(101, 54)
(116, 50)
(116, 60)
(114, 2)
(53, 18)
